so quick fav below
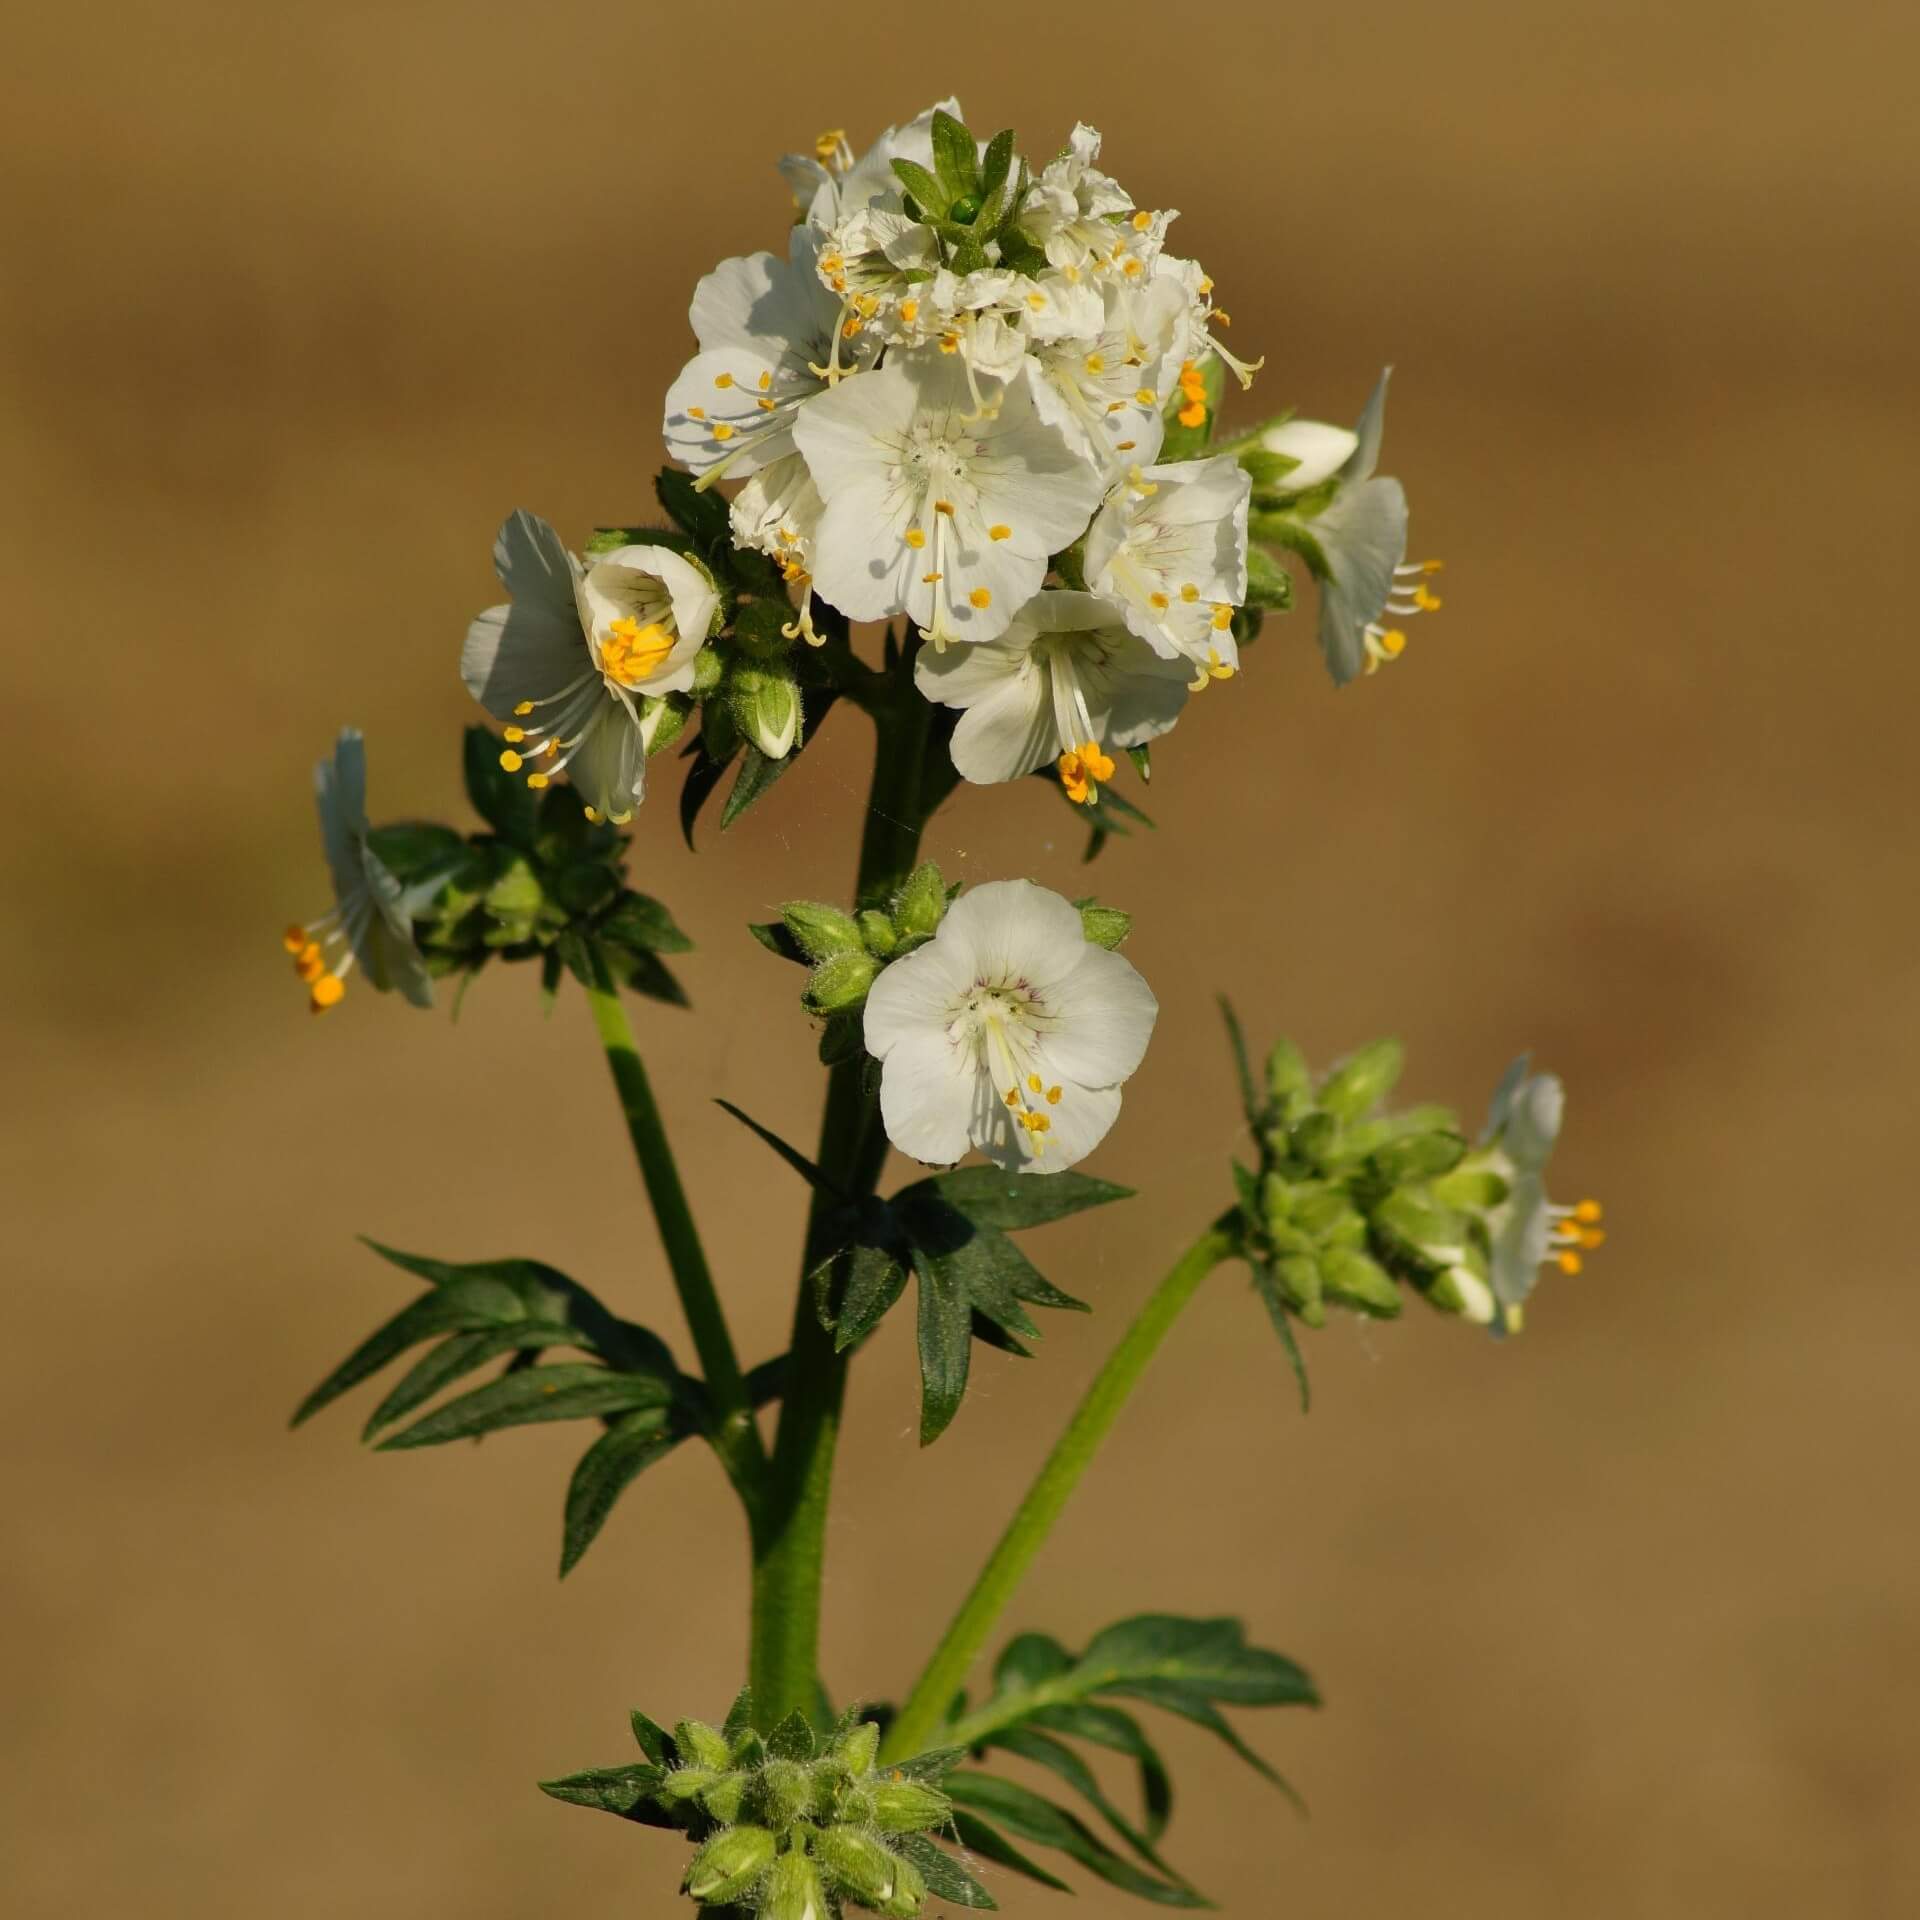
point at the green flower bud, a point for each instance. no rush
(1105, 926)
(840, 982)
(1433, 1232)
(922, 903)
(856, 1748)
(765, 704)
(1313, 1139)
(1471, 1187)
(726, 1798)
(857, 1864)
(729, 1865)
(702, 1746)
(685, 1783)
(877, 931)
(793, 1890)
(1287, 1075)
(707, 670)
(909, 1893)
(1353, 1280)
(662, 722)
(1460, 1290)
(1363, 1079)
(760, 628)
(1300, 1285)
(821, 931)
(785, 1793)
(1419, 1156)
(906, 1806)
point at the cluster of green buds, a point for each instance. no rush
(1351, 1204)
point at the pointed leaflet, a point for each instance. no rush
(794, 1158)
(946, 1878)
(990, 1843)
(703, 776)
(1243, 1067)
(1120, 1733)
(945, 1341)
(454, 1358)
(1010, 1201)
(650, 1737)
(607, 1789)
(1267, 1285)
(1060, 1759)
(537, 1394)
(638, 920)
(604, 1473)
(956, 159)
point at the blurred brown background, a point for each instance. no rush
(1617, 1619)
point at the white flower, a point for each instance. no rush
(1009, 1031)
(571, 662)
(1357, 545)
(372, 917)
(770, 338)
(1169, 549)
(933, 510)
(1071, 211)
(778, 513)
(1104, 390)
(1065, 680)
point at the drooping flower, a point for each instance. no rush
(1356, 543)
(1009, 1031)
(371, 921)
(933, 509)
(1066, 680)
(576, 662)
(771, 336)
(1169, 549)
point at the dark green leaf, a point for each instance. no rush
(644, 973)
(794, 1158)
(792, 1739)
(456, 1357)
(569, 1392)
(1029, 1817)
(862, 1283)
(990, 1843)
(652, 1738)
(703, 514)
(609, 1789)
(934, 198)
(1120, 1732)
(1009, 1201)
(956, 158)
(1210, 1657)
(998, 161)
(739, 1718)
(604, 1473)
(1028, 1660)
(946, 1343)
(638, 920)
(704, 774)
(503, 800)
(1043, 1750)
(946, 1878)
(930, 1767)
(773, 935)
(1250, 1103)
(1267, 1285)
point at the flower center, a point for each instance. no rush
(631, 653)
(1002, 1025)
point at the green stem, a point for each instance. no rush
(923, 1717)
(790, 1535)
(735, 1437)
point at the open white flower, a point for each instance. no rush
(371, 921)
(932, 509)
(1104, 388)
(1356, 546)
(1066, 680)
(1009, 1031)
(1170, 551)
(1073, 210)
(573, 662)
(770, 338)
(778, 513)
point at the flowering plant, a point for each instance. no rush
(977, 401)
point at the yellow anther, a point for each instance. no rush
(1053, 1095)
(630, 652)
(723, 380)
(949, 343)
(927, 579)
(510, 761)
(1225, 319)
(1189, 593)
(696, 413)
(915, 538)
(1142, 220)
(1144, 395)
(1125, 446)
(765, 405)
(1035, 1084)
(592, 813)
(764, 382)
(310, 963)
(827, 144)
(909, 311)
(1205, 286)
(831, 263)
(722, 431)
(999, 533)
(1593, 1238)
(294, 939)
(1587, 1212)
(1569, 1263)
(1038, 302)
(1393, 643)
(1158, 600)
(943, 506)
(1132, 268)
(524, 708)
(1566, 1229)
(1013, 1096)
(1071, 275)
(326, 992)
(538, 781)
(1193, 414)
(1222, 617)
(550, 749)
(513, 735)
(1433, 566)
(980, 597)
(1425, 601)
(1082, 769)
(1096, 363)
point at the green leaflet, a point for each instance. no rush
(605, 1471)
(530, 1396)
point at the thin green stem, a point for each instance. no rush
(735, 1437)
(922, 1719)
(790, 1535)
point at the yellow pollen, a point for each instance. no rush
(1593, 1238)
(513, 735)
(949, 343)
(1082, 770)
(1393, 643)
(311, 963)
(915, 538)
(1035, 1084)
(943, 506)
(927, 579)
(1222, 617)
(1189, 593)
(722, 431)
(999, 533)
(1433, 566)
(1038, 302)
(1157, 599)
(827, 144)
(723, 380)
(1569, 1263)
(980, 597)
(1425, 601)
(1125, 446)
(592, 813)
(1206, 286)
(1225, 319)
(1013, 1096)
(510, 761)
(764, 404)
(294, 939)
(538, 780)
(1095, 364)
(853, 326)
(1036, 1122)
(696, 413)
(1194, 414)
(326, 992)
(524, 708)
(831, 263)
(1587, 1212)
(1132, 269)
(1144, 395)
(630, 652)
(909, 311)
(1053, 1096)
(764, 382)
(1142, 221)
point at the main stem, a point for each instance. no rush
(923, 1717)
(790, 1533)
(735, 1437)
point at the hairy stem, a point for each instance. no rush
(922, 1720)
(790, 1537)
(735, 1437)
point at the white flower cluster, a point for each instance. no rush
(958, 373)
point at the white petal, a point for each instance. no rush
(1105, 1012)
(1013, 930)
(340, 799)
(1368, 431)
(1363, 536)
(915, 996)
(522, 652)
(609, 766)
(1006, 732)
(533, 562)
(927, 1092)
(1319, 451)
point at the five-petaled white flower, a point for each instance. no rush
(1009, 1031)
(1170, 551)
(1356, 545)
(371, 921)
(1065, 681)
(573, 661)
(933, 509)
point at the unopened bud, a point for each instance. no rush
(906, 1806)
(1299, 454)
(726, 1799)
(876, 929)
(1363, 1079)
(707, 670)
(729, 1865)
(909, 1893)
(820, 931)
(685, 1783)
(922, 902)
(857, 1864)
(1460, 1290)
(786, 1792)
(662, 722)
(856, 1748)
(1104, 926)
(1354, 1280)
(701, 1745)
(1287, 1073)
(793, 1890)
(765, 704)
(1299, 1277)
(840, 982)
(1419, 1156)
